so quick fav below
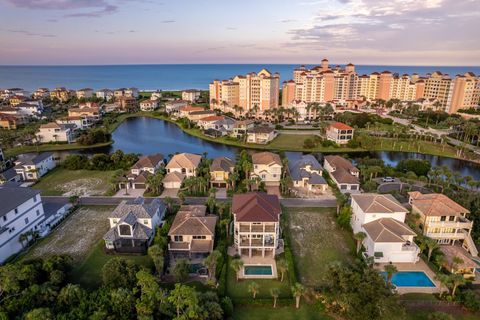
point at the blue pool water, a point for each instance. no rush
(410, 279)
(258, 270)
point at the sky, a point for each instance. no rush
(398, 32)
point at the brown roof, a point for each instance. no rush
(150, 161)
(267, 158)
(212, 118)
(436, 204)
(222, 164)
(451, 252)
(263, 129)
(184, 160)
(192, 220)
(51, 125)
(173, 177)
(191, 108)
(387, 230)
(378, 203)
(343, 167)
(256, 207)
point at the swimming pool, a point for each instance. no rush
(258, 270)
(410, 279)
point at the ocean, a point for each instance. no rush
(166, 76)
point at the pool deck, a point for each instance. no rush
(258, 261)
(419, 266)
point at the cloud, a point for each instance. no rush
(96, 8)
(52, 20)
(31, 34)
(109, 9)
(287, 20)
(168, 21)
(231, 28)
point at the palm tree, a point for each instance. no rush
(456, 280)
(298, 291)
(443, 279)
(440, 261)
(431, 245)
(253, 288)
(282, 266)
(211, 262)
(275, 292)
(359, 236)
(456, 261)
(237, 265)
(390, 269)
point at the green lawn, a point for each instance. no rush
(81, 182)
(316, 241)
(239, 290)
(306, 312)
(52, 147)
(89, 272)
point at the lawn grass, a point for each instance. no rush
(60, 181)
(238, 291)
(11, 152)
(89, 272)
(316, 241)
(305, 312)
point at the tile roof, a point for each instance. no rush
(267, 158)
(192, 220)
(140, 207)
(340, 126)
(387, 230)
(436, 204)
(256, 207)
(222, 164)
(262, 129)
(378, 203)
(451, 252)
(150, 161)
(11, 197)
(174, 177)
(342, 169)
(184, 160)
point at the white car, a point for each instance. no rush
(388, 179)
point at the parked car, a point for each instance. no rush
(388, 179)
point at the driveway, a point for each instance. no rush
(172, 193)
(132, 193)
(221, 193)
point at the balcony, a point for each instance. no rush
(446, 235)
(409, 247)
(257, 228)
(463, 223)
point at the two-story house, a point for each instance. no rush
(268, 167)
(84, 93)
(148, 105)
(307, 173)
(192, 233)
(34, 166)
(443, 219)
(21, 210)
(382, 219)
(241, 128)
(133, 224)
(220, 170)
(175, 106)
(139, 172)
(339, 132)
(261, 135)
(343, 173)
(181, 166)
(105, 94)
(256, 218)
(54, 132)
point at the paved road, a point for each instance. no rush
(289, 202)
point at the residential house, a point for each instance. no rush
(85, 93)
(7, 93)
(175, 106)
(173, 180)
(127, 103)
(241, 127)
(157, 95)
(381, 218)
(9, 175)
(268, 167)
(41, 93)
(343, 173)
(54, 132)
(21, 210)
(465, 266)
(304, 112)
(256, 218)
(185, 163)
(307, 172)
(61, 94)
(10, 122)
(34, 166)
(443, 219)
(30, 109)
(105, 94)
(94, 114)
(139, 172)
(77, 122)
(16, 100)
(191, 95)
(119, 93)
(197, 115)
(133, 224)
(131, 92)
(192, 233)
(220, 171)
(184, 112)
(221, 124)
(148, 105)
(261, 135)
(55, 209)
(339, 133)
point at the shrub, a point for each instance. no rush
(308, 144)
(353, 144)
(227, 306)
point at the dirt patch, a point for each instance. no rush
(316, 241)
(83, 187)
(77, 235)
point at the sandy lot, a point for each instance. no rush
(83, 187)
(77, 235)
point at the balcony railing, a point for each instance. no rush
(449, 235)
(409, 247)
(462, 224)
(257, 228)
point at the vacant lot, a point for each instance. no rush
(317, 241)
(77, 235)
(74, 182)
(306, 312)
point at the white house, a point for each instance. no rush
(268, 167)
(175, 106)
(32, 167)
(148, 105)
(157, 95)
(139, 172)
(85, 93)
(133, 224)
(21, 210)
(339, 132)
(343, 173)
(31, 110)
(261, 135)
(381, 218)
(54, 132)
(105, 94)
(191, 95)
(185, 163)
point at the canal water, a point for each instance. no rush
(148, 136)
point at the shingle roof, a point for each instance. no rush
(140, 207)
(262, 129)
(11, 197)
(378, 203)
(192, 220)
(256, 207)
(436, 204)
(267, 158)
(150, 161)
(387, 230)
(33, 159)
(173, 177)
(342, 169)
(222, 164)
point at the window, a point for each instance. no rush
(145, 221)
(451, 218)
(199, 237)
(4, 218)
(26, 220)
(178, 238)
(16, 210)
(38, 213)
(125, 230)
(35, 198)
(443, 218)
